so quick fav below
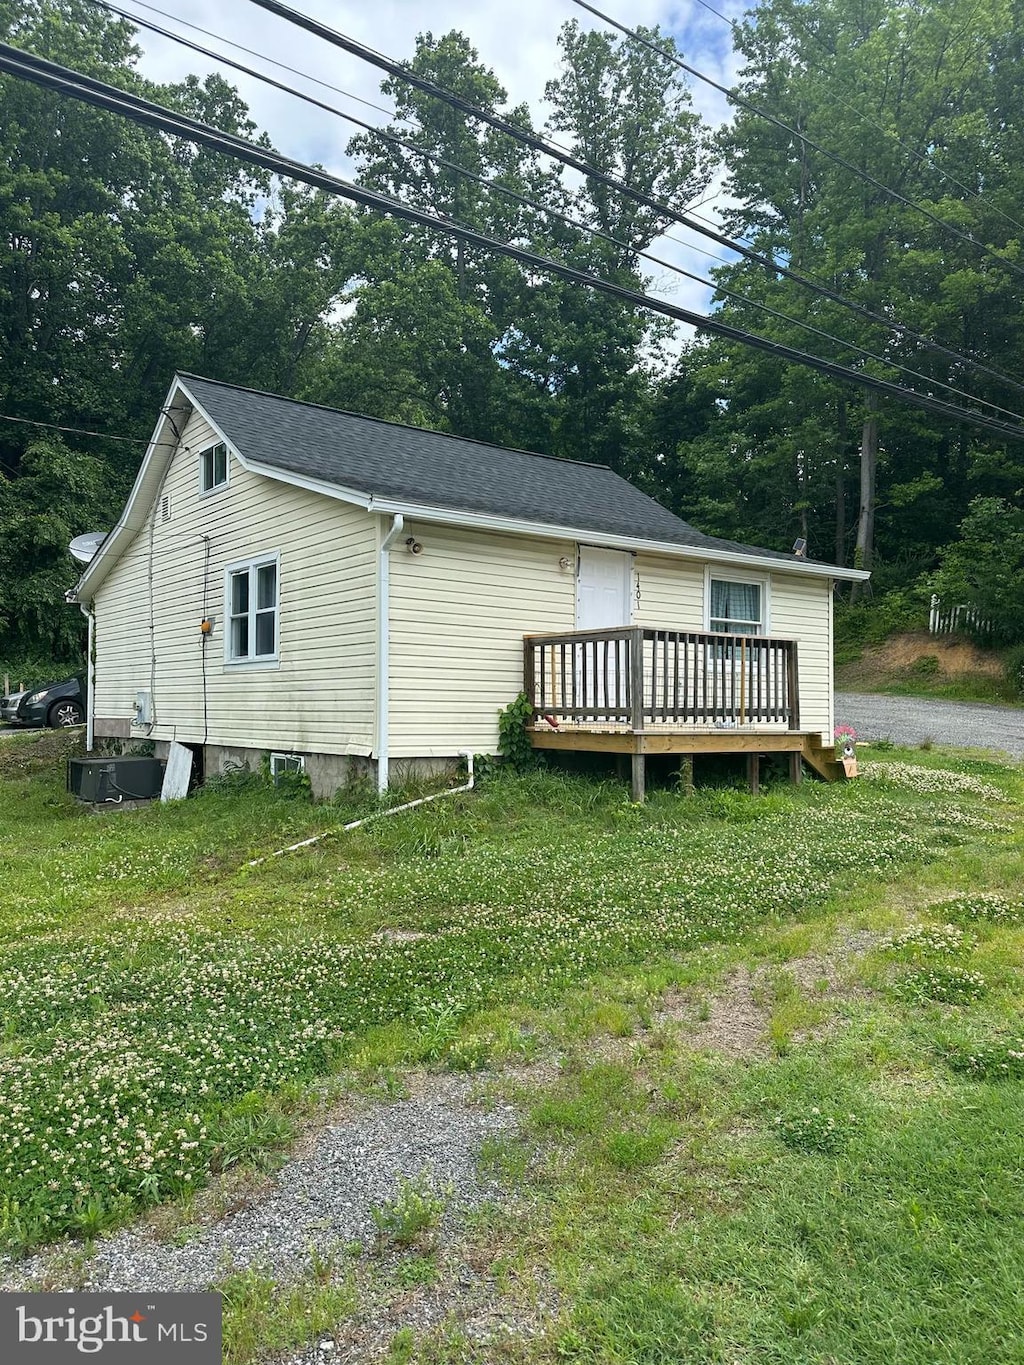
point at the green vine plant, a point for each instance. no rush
(513, 741)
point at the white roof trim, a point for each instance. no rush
(513, 526)
(329, 490)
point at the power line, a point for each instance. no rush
(531, 139)
(282, 66)
(77, 431)
(873, 123)
(52, 76)
(491, 185)
(746, 104)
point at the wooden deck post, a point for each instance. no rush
(639, 774)
(636, 679)
(796, 769)
(754, 773)
(529, 677)
(686, 774)
(794, 687)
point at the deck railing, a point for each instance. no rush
(644, 678)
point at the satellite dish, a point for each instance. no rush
(83, 548)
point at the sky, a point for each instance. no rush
(517, 39)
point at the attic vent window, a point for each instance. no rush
(165, 507)
(286, 763)
(213, 468)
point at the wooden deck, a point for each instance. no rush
(641, 691)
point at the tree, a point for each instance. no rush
(904, 93)
(126, 256)
(516, 357)
(984, 568)
(59, 494)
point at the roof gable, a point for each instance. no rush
(386, 461)
(389, 468)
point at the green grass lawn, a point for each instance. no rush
(852, 1191)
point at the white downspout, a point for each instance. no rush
(90, 684)
(384, 650)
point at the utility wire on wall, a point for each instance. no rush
(392, 139)
(52, 76)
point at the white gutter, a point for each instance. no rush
(90, 682)
(485, 521)
(384, 650)
(377, 815)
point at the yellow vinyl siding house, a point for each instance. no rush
(290, 579)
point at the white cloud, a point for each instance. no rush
(519, 41)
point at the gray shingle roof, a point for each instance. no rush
(386, 460)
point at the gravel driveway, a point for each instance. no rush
(909, 720)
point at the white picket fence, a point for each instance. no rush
(948, 620)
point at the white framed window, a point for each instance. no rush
(735, 604)
(286, 763)
(213, 467)
(251, 596)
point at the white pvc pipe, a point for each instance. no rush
(384, 652)
(377, 815)
(90, 682)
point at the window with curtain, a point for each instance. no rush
(736, 608)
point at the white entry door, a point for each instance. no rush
(603, 588)
(603, 602)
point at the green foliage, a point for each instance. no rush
(858, 624)
(814, 1131)
(983, 907)
(990, 1060)
(262, 1315)
(948, 984)
(250, 1132)
(984, 568)
(1014, 664)
(513, 741)
(415, 1210)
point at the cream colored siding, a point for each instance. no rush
(319, 696)
(671, 593)
(459, 612)
(801, 610)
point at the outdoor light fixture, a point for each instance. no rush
(413, 546)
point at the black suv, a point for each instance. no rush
(56, 704)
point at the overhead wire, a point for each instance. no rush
(547, 148)
(742, 103)
(283, 66)
(77, 431)
(336, 89)
(53, 76)
(859, 114)
(548, 210)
